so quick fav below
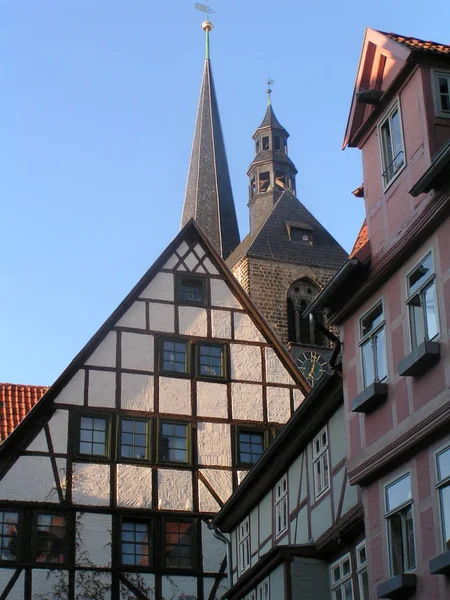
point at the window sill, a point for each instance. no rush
(440, 565)
(399, 586)
(370, 398)
(420, 360)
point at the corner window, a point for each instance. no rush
(442, 93)
(422, 302)
(94, 436)
(9, 535)
(281, 506)
(263, 590)
(373, 346)
(191, 290)
(250, 446)
(179, 544)
(361, 567)
(244, 545)
(134, 437)
(391, 145)
(50, 540)
(399, 517)
(135, 543)
(175, 356)
(341, 579)
(211, 360)
(443, 484)
(321, 463)
(173, 442)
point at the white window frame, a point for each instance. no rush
(281, 507)
(244, 545)
(361, 568)
(339, 586)
(383, 158)
(426, 284)
(321, 463)
(370, 336)
(401, 509)
(263, 590)
(442, 483)
(445, 114)
(251, 596)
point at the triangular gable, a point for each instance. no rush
(189, 252)
(273, 242)
(382, 58)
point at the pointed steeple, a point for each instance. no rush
(271, 171)
(209, 197)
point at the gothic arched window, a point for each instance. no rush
(300, 329)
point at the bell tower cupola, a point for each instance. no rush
(271, 171)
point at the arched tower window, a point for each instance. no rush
(300, 329)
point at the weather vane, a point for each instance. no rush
(269, 89)
(206, 25)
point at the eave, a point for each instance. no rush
(439, 164)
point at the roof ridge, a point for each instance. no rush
(5, 383)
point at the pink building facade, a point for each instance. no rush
(392, 302)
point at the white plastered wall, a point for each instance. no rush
(134, 486)
(93, 540)
(91, 484)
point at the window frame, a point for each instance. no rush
(179, 277)
(387, 117)
(21, 536)
(338, 585)
(148, 448)
(361, 568)
(263, 589)
(194, 545)
(401, 509)
(164, 461)
(419, 292)
(32, 550)
(441, 484)
(281, 506)
(225, 361)
(317, 458)
(251, 430)
(435, 74)
(364, 339)
(110, 424)
(175, 340)
(151, 529)
(243, 544)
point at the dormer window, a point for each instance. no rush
(276, 142)
(265, 143)
(391, 145)
(442, 93)
(299, 232)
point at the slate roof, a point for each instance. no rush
(270, 120)
(16, 401)
(209, 197)
(272, 241)
(415, 44)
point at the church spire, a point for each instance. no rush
(209, 197)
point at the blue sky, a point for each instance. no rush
(98, 104)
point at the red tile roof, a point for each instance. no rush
(361, 240)
(415, 44)
(16, 401)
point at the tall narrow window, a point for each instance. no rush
(361, 566)
(174, 356)
(263, 590)
(422, 302)
(264, 181)
(51, 540)
(341, 579)
(265, 143)
(211, 360)
(301, 329)
(179, 544)
(134, 439)
(281, 506)
(135, 543)
(391, 145)
(442, 93)
(400, 524)
(443, 476)
(280, 180)
(244, 545)
(373, 346)
(321, 463)
(173, 442)
(9, 535)
(276, 142)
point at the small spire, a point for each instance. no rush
(269, 89)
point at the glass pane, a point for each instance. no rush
(396, 543)
(85, 448)
(410, 554)
(380, 351)
(445, 512)
(432, 321)
(398, 492)
(9, 529)
(86, 423)
(348, 590)
(443, 460)
(361, 555)
(346, 567)
(364, 585)
(336, 573)
(127, 425)
(140, 427)
(372, 320)
(368, 363)
(100, 424)
(420, 274)
(417, 320)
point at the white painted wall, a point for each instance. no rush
(105, 353)
(214, 444)
(137, 392)
(91, 484)
(134, 486)
(245, 362)
(174, 489)
(94, 540)
(137, 351)
(175, 396)
(102, 389)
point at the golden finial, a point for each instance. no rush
(206, 25)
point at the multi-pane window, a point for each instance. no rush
(244, 545)
(191, 290)
(443, 477)
(321, 463)
(341, 579)
(133, 439)
(391, 145)
(135, 543)
(399, 516)
(442, 91)
(422, 302)
(361, 567)
(93, 436)
(173, 442)
(250, 446)
(263, 590)
(50, 539)
(179, 544)
(373, 346)
(174, 356)
(251, 595)
(281, 506)
(211, 360)
(9, 535)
